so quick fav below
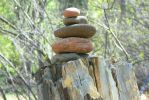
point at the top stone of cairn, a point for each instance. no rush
(71, 12)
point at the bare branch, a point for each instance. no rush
(11, 78)
(115, 37)
(22, 78)
(4, 31)
(7, 22)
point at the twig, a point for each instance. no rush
(106, 36)
(48, 17)
(31, 22)
(4, 31)
(12, 81)
(109, 8)
(11, 64)
(111, 5)
(2, 93)
(119, 43)
(115, 37)
(7, 22)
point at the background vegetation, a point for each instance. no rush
(26, 33)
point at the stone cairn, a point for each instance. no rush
(75, 36)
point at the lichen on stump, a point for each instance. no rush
(91, 78)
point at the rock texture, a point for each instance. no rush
(71, 12)
(75, 20)
(91, 78)
(72, 44)
(74, 35)
(77, 30)
(65, 57)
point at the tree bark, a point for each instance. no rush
(89, 78)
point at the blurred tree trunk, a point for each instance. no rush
(81, 4)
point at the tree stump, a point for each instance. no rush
(89, 78)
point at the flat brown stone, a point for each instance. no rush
(73, 44)
(71, 12)
(76, 30)
(75, 20)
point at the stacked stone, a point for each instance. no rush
(75, 35)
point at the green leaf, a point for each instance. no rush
(141, 55)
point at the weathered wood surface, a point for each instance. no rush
(90, 78)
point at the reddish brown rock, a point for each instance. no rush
(71, 12)
(73, 44)
(75, 20)
(76, 30)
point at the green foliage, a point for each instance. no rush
(141, 55)
(9, 51)
(51, 6)
(6, 9)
